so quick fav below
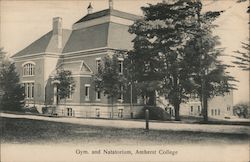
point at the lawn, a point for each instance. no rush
(43, 132)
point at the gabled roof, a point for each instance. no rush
(76, 67)
(44, 44)
(107, 12)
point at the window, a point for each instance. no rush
(120, 63)
(29, 90)
(69, 112)
(70, 93)
(199, 109)
(87, 92)
(215, 112)
(32, 90)
(228, 108)
(97, 113)
(191, 109)
(218, 111)
(120, 96)
(98, 63)
(98, 95)
(212, 112)
(120, 113)
(29, 69)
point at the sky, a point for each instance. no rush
(22, 22)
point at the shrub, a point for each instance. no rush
(242, 110)
(49, 110)
(32, 110)
(155, 113)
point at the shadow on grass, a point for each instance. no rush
(44, 132)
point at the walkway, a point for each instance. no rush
(232, 129)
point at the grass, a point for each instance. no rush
(44, 132)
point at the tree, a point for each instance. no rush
(66, 83)
(109, 79)
(161, 57)
(242, 59)
(209, 72)
(12, 98)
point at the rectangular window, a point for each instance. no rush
(25, 89)
(215, 112)
(87, 92)
(120, 63)
(191, 109)
(29, 90)
(212, 112)
(218, 111)
(199, 109)
(120, 113)
(97, 113)
(32, 90)
(69, 111)
(70, 93)
(98, 95)
(120, 96)
(98, 63)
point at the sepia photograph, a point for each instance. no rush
(124, 81)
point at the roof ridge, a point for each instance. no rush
(106, 12)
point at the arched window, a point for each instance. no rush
(28, 69)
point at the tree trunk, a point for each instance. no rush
(176, 99)
(112, 109)
(204, 99)
(177, 111)
(65, 106)
(205, 106)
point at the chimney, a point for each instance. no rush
(90, 9)
(57, 30)
(110, 4)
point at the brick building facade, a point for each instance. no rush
(80, 50)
